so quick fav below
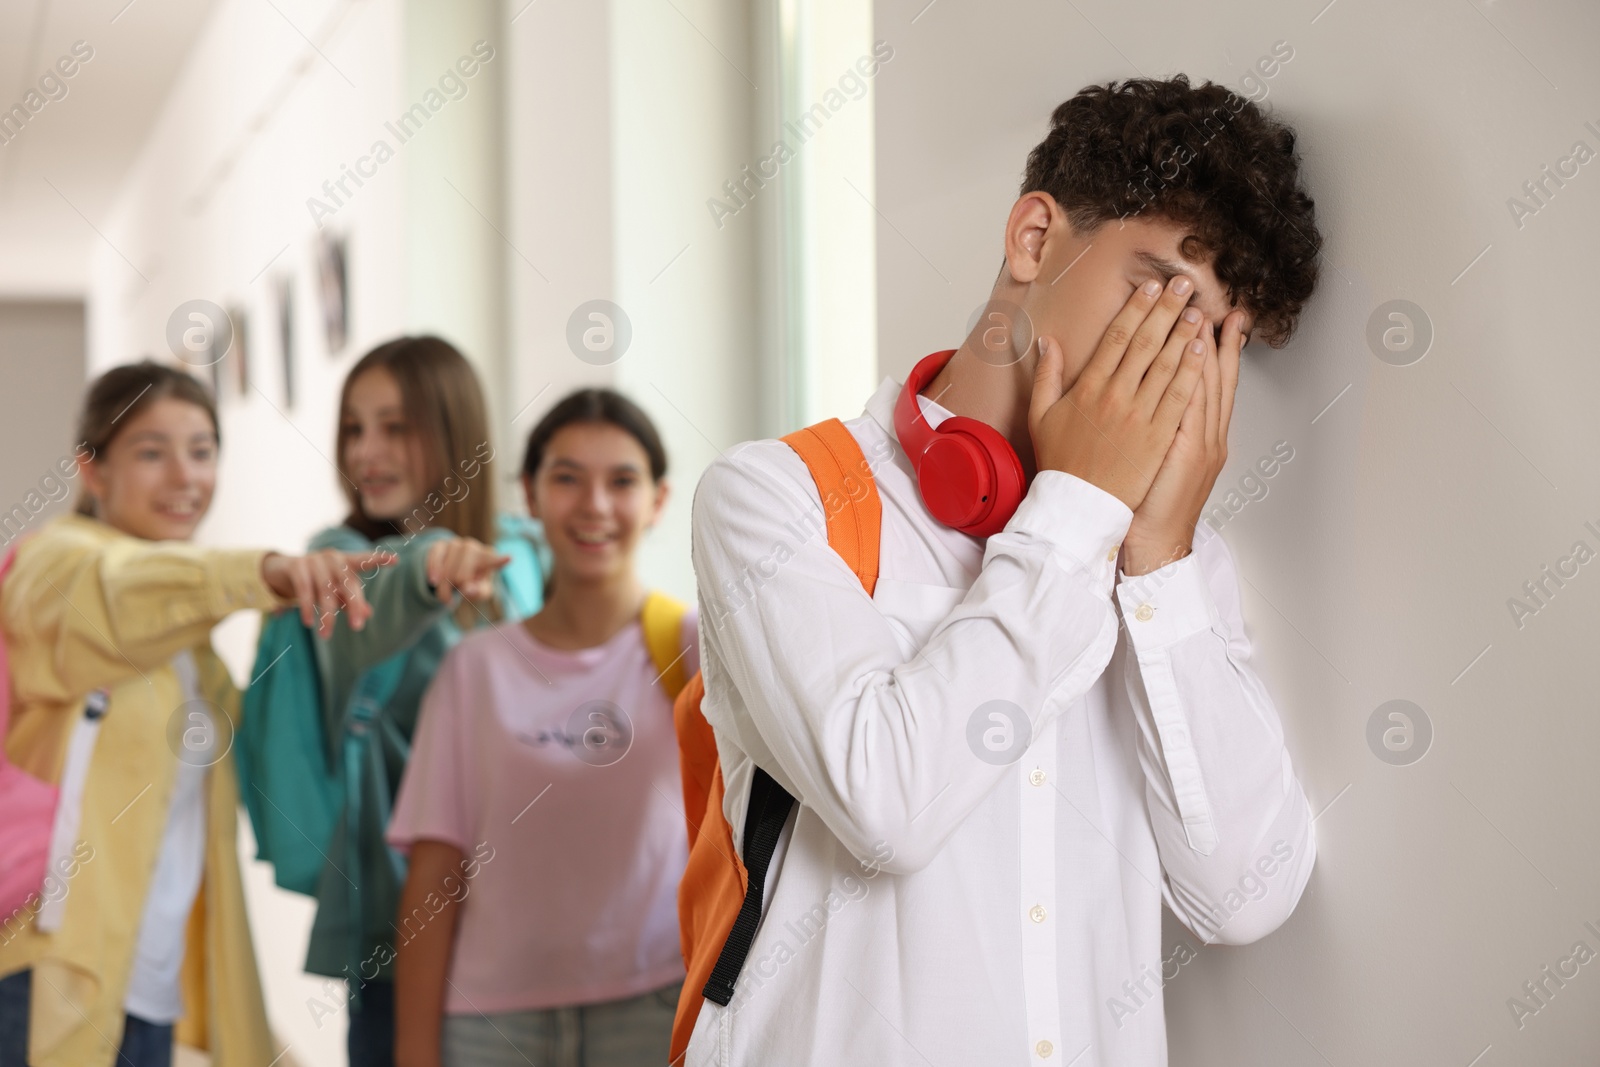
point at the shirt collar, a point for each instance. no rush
(881, 407)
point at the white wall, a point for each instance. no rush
(558, 249)
(828, 230)
(41, 343)
(622, 119)
(1380, 564)
(681, 125)
(455, 189)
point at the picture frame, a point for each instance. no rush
(284, 293)
(333, 287)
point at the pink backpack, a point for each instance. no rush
(30, 806)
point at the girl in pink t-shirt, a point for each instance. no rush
(541, 804)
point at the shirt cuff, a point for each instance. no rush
(413, 553)
(1083, 524)
(237, 584)
(1166, 605)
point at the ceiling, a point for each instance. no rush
(59, 175)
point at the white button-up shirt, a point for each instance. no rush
(1002, 770)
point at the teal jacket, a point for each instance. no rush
(408, 620)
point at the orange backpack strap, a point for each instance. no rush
(720, 899)
(849, 495)
(697, 752)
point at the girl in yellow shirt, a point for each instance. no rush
(107, 615)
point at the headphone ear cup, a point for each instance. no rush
(969, 477)
(955, 478)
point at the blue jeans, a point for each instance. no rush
(144, 1044)
(14, 1019)
(371, 1038)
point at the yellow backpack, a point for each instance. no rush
(662, 620)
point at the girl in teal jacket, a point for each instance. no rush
(417, 467)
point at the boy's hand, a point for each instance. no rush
(1163, 524)
(1117, 420)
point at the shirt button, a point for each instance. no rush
(1044, 1048)
(1036, 913)
(1143, 612)
(1037, 777)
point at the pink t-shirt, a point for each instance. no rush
(556, 774)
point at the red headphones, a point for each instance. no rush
(968, 474)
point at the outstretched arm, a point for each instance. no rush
(432, 570)
(112, 608)
(403, 603)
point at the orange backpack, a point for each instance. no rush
(717, 910)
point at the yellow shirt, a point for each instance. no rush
(86, 607)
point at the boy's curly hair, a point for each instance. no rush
(1205, 158)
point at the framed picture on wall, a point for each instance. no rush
(207, 360)
(334, 289)
(240, 352)
(285, 309)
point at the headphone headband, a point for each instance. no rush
(910, 424)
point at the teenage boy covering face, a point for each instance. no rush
(1010, 754)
